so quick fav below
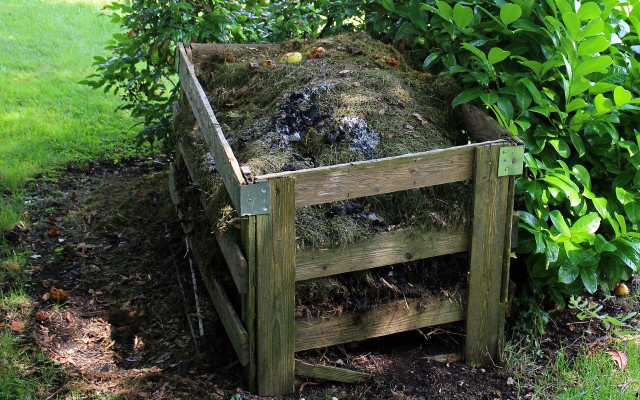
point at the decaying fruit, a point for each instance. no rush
(268, 63)
(317, 52)
(621, 290)
(291, 57)
(394, 62)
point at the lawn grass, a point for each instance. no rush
(46, 118)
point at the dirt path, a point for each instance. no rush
(108, 235)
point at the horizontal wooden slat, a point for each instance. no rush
(235, 261)
(228, 316)
(330, 373)
(369, 178)
(198, 246)
(398, 316)
(382, 249)
(226, 163)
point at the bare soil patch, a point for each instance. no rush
(122, 328)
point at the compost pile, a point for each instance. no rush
(350, 98)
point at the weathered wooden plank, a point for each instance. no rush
(385, 248)
(490, 219)
(369, 178)
(398, 316)
(197, 245)
(330, 373)
(228, 316)
(235, 260)
(249, 299)
(275, 290)
(226, 163)
(510, 219)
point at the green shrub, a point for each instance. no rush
(563, 77)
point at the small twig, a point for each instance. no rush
(425, 337)
(195, 291)
(56, 392)
(186, 310)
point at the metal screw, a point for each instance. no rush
(249, 201)
(264, 190)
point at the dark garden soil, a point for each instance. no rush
(108, 235)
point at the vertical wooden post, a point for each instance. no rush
(275, 291)
(506, 264)
(249, 299)
(491, 224)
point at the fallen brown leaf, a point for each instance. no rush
(36, 269)
(53, 218)
(13, 265)
(58, 295)
(42, 316)
(619, 358)
(419, 117)
(229, 58)
(55, 231)
(68, 317)
(16, 325)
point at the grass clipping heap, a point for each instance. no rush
(350, 98)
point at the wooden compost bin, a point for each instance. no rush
(265, 265)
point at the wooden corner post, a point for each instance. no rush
(249, 299)
(492, 205)
(275, 291)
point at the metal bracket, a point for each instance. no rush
(255, 199)
(511, 161)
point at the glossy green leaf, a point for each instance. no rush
(594, 64)
(589, 10)
(467, 96)
(592, 45)
(567, 273)
(589, 279)
(476, 51)
(623, 196)
(593, 27)
(509, 13)
(587, 224)
(601, 245)
(603, 104)
(429, 61)
(632, 210)
(572, 23)
(621, 96)
(462, 16)
(558, 221)
(496, 55)
(576, 104)
(445, 9)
